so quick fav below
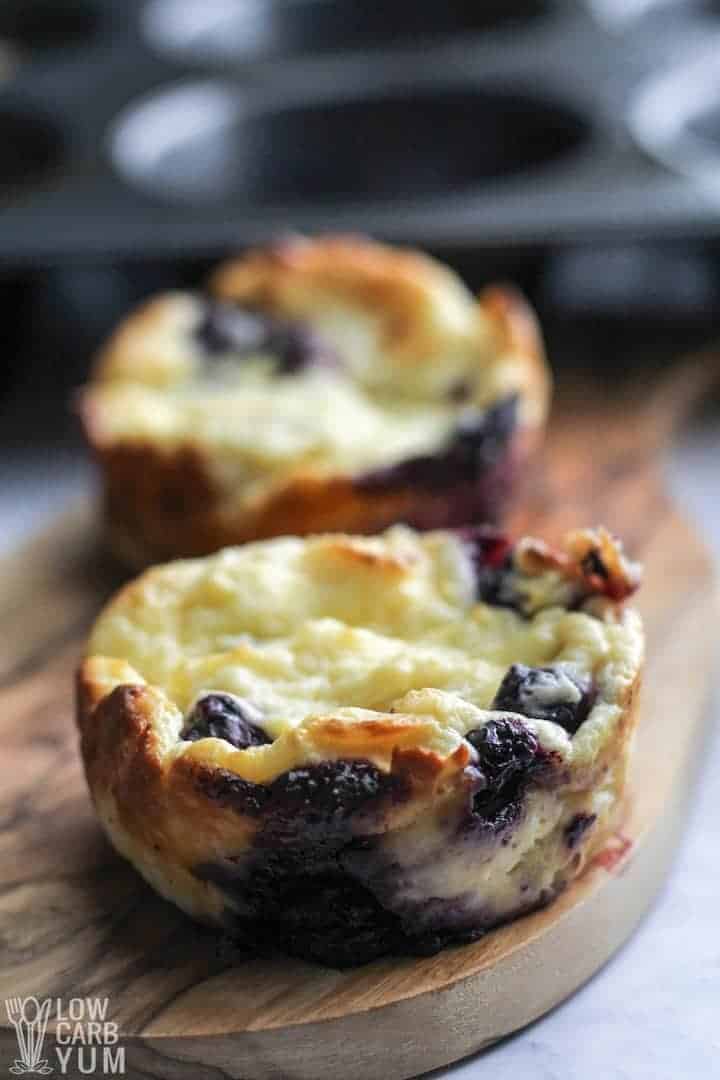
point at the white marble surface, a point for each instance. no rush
(653, 1013)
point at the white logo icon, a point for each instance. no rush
(29, 1018)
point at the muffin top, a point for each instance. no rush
(265, 657)
(333, 356)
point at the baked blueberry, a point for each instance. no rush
(229, 791)
(224, 716)
(337, 922)
(480, 440)
(491, 552)
(547, 693)
(229, 330)
(226, 328)
(298, 347)
(508, 754)
(293, 883)
(504, 747)
(477, 443)
(327, 793)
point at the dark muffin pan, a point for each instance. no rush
(48, 24)
(31, 146)
(218, 32)
(146, 130)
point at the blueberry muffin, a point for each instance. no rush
(351, 746)
(327, 385)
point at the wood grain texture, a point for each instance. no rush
(76, 921)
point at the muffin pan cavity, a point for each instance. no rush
(32, 146)
(227, 32)
(210, 141)
(48, 24)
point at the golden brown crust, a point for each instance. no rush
(519, 328)
(145, 801)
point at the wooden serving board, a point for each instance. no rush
(77, 922)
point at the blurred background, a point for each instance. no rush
(572, 147)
